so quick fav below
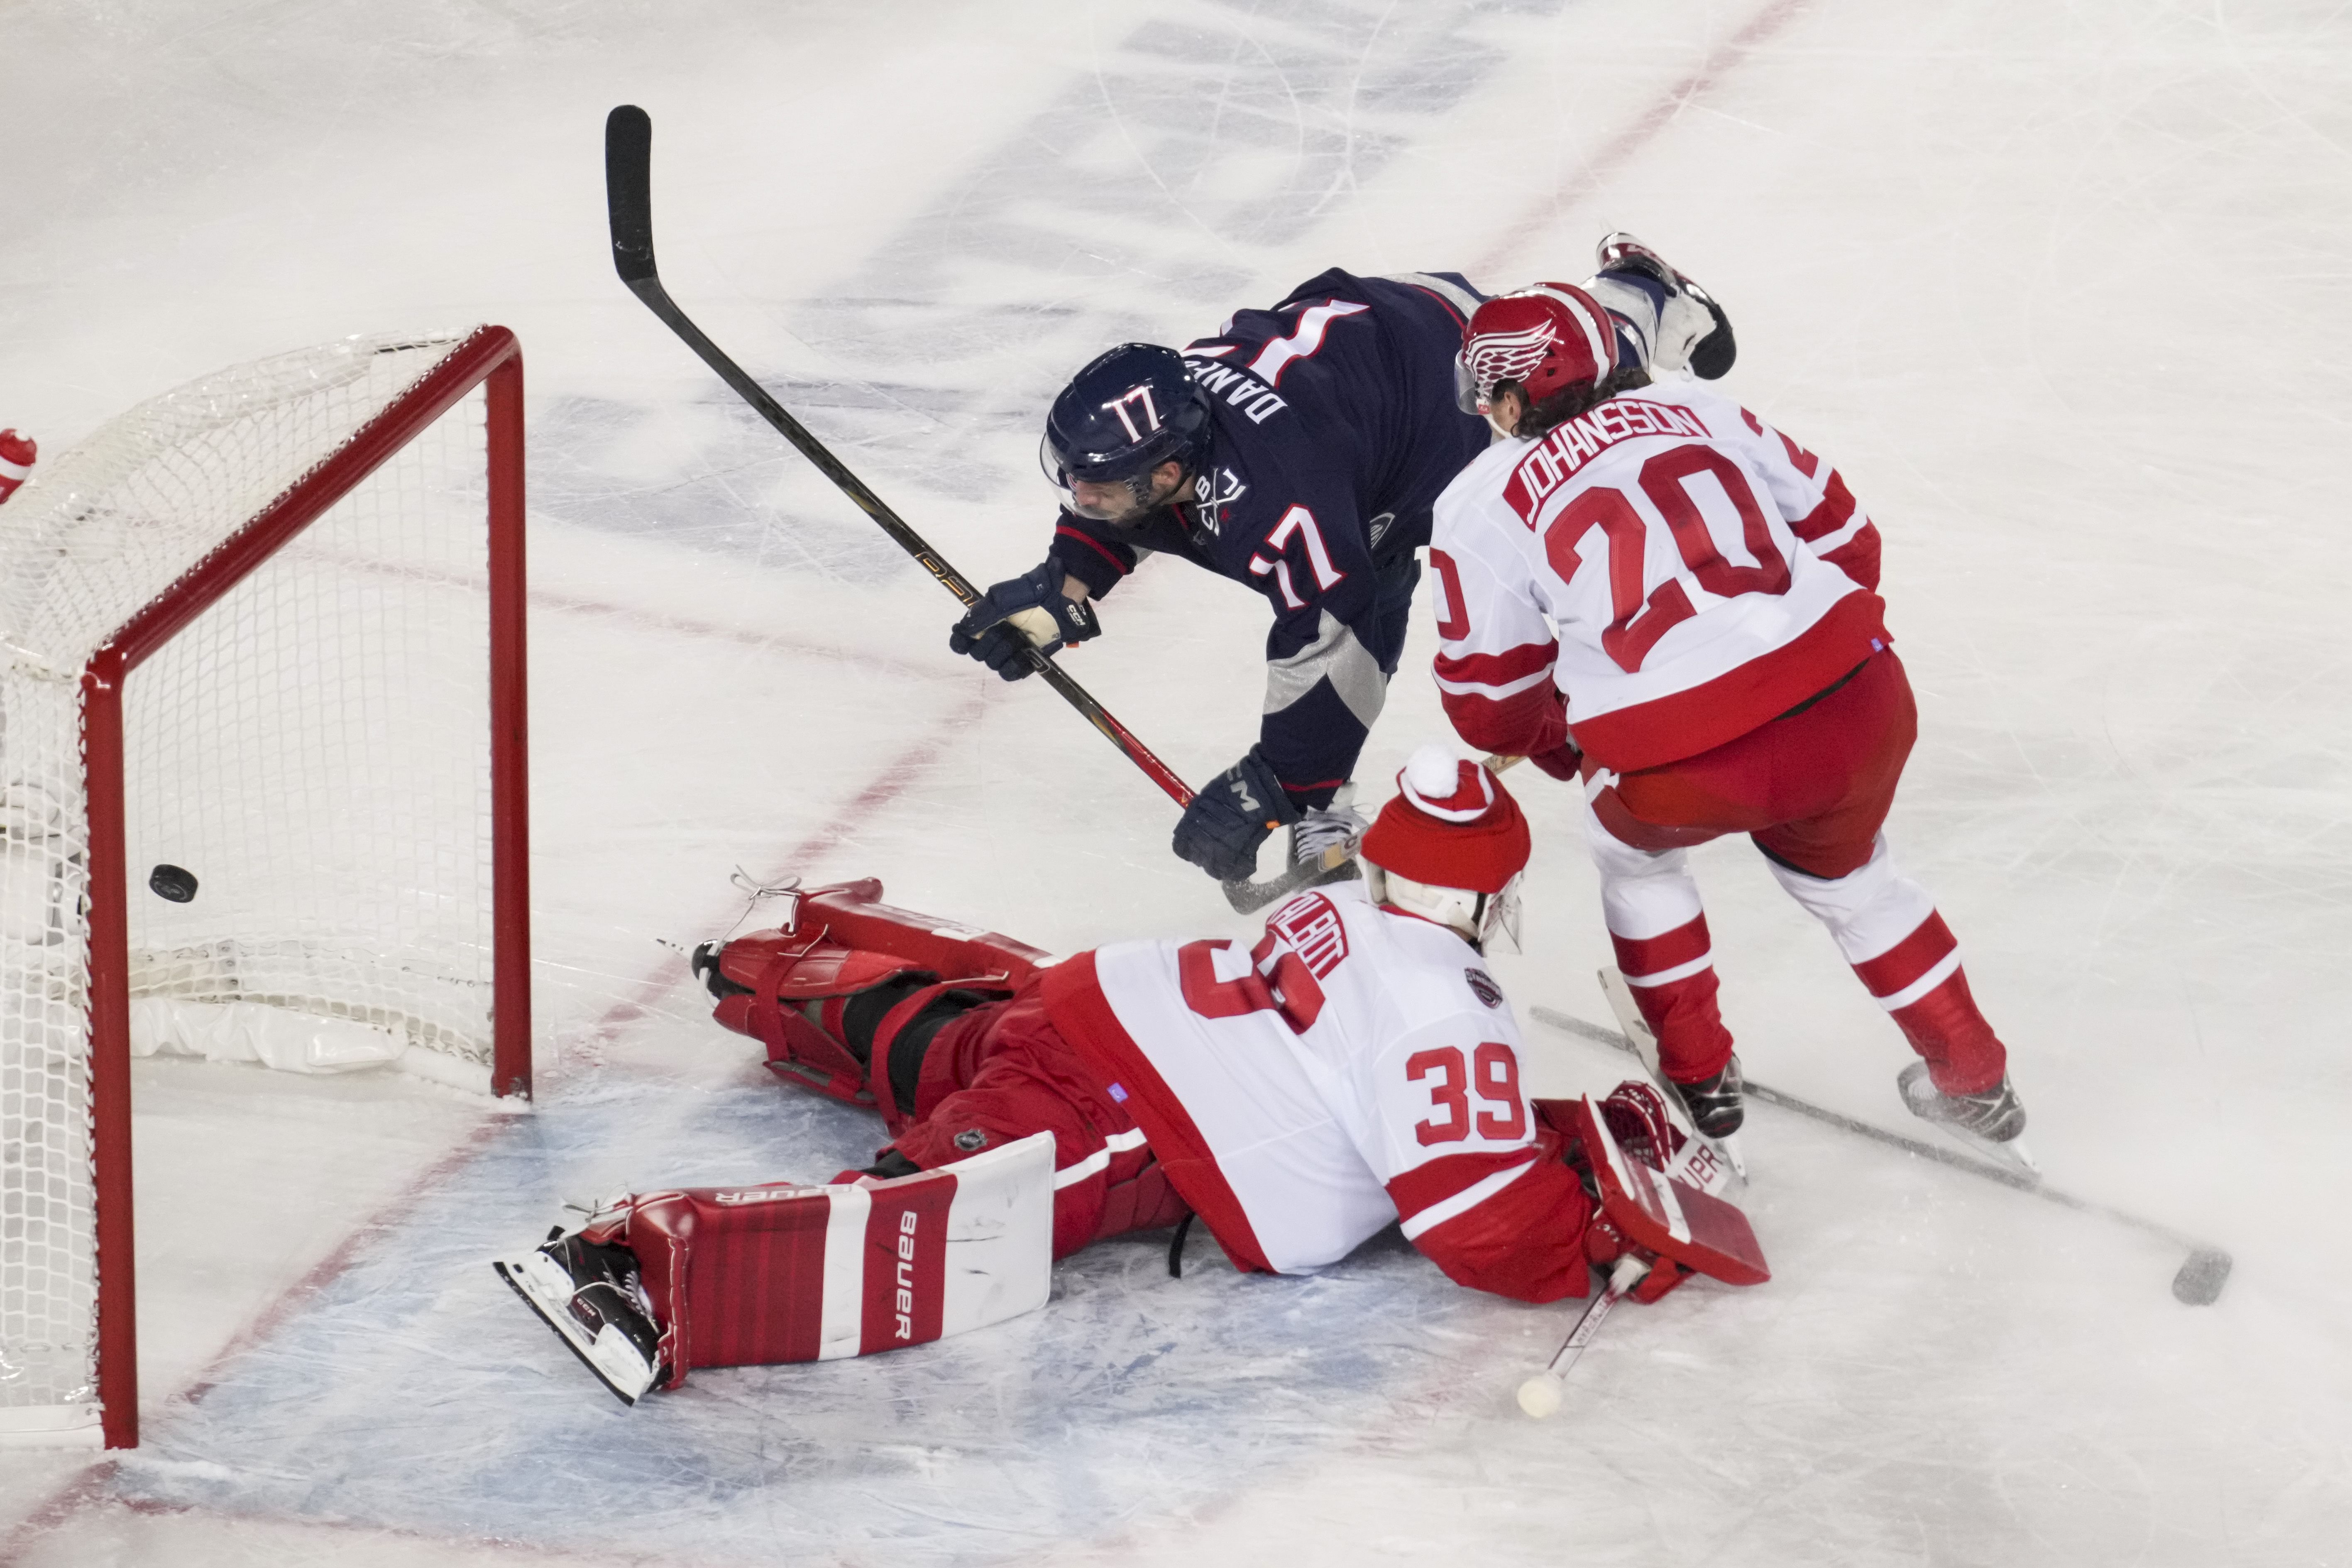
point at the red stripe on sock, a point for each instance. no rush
(1907, 959)
(1641, 955)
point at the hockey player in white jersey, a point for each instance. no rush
(1358, 1067)
(1648, 590)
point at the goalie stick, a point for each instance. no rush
(1539, 1395)
(2198, 1283)
(628, 197)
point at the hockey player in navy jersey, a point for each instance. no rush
(1298, 450)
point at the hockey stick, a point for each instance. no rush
(1246, 896)
(2198, 1283)
(1539, 1395)
(628, 193)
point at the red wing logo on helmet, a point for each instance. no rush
(1120, 407)
(1501, 356)
(1483, 987)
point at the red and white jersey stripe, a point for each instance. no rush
(1358, 1067)
(1677, 570)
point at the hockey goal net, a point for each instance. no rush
(262, 790)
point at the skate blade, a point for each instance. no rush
(2012, 1155)
(1337, 864)
(610, 1355)
(1920, 1099)
(1728, 1147)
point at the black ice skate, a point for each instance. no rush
(1725, 1086)
(591, 1297)
(1989, 1124)
(1709, 348)
(1713, 1103)
(1323, 846)
(1323, 842)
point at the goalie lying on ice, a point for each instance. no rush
(1357, 1068)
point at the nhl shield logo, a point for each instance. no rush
(1483, 987)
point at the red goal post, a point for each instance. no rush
(359, 896)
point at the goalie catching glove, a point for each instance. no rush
(1019, 614)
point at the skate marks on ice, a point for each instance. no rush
(1147, 200)
(2197, 1283)
(414, 1394)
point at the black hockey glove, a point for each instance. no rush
(1019, 614)
(1221, 830)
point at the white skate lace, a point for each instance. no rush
(1324, 826)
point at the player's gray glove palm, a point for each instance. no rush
(1221, 830)
(1019, 614)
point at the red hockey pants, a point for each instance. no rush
(1002, 1072)
(1811, 789)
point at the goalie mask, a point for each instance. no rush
(1450, 847)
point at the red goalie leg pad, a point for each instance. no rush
(786, 1272)
(1671, 1218)
(853, 914)
(786, 977)
(790, 984)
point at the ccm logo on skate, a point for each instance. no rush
(906, 1301)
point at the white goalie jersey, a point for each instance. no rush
(1357, 1068)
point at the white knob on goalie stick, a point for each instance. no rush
(1539, 1395)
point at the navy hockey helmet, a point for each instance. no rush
(1131, 410)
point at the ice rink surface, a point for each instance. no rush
(2065, 292)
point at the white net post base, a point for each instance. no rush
(262, 788)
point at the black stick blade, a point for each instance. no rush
(2200, 1281)
(628, 191)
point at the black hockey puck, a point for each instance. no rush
(173, 882)
(2200, 1281)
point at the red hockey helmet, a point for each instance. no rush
(1548, 337)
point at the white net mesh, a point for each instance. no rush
(312, 751)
